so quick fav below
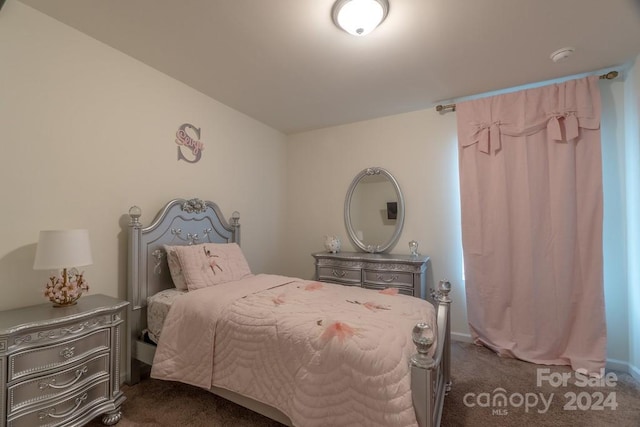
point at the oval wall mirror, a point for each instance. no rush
(374, 210)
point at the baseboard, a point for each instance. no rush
(634, 371)
(623, 366)
(457, 336)
(618, 365)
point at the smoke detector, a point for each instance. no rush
(562, 54)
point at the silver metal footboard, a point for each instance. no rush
(431, 376)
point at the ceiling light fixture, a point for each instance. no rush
(359, 17)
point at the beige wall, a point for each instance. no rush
(88, 131)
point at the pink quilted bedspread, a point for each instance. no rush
(323, 354)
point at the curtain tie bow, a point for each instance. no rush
(487, 136)
(554, 127)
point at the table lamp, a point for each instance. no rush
(63, 250)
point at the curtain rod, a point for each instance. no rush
(442, 108)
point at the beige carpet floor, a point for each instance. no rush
(477, 373)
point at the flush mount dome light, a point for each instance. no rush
(359, 17)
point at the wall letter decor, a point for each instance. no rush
(193, 144)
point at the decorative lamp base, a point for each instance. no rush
(66, 289)
(65, 304)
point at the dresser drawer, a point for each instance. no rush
(407, 273)
(342, 275)
(397, 279)
(59, 355)
(63, 411)
(49, 386)
(401, 289)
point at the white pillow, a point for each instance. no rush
(211, 264)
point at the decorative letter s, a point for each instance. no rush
(182, 137)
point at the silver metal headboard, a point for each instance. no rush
(180, 222)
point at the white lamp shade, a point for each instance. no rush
(359, 17)
(62, 249)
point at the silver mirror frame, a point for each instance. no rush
(347, 212)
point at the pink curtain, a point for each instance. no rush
(531, 194)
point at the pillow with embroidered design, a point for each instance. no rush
(210, 264)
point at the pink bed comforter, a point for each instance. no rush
(322, 354)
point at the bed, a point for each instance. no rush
(254, 311)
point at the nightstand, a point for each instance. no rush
(61, 366)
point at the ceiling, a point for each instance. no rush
(284, 63)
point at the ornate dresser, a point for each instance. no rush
(374, 271)
(61, 366)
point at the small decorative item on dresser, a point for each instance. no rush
(413, 248)
(60, 249)
(332, 244)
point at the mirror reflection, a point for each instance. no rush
(374, 210)
(374, 207)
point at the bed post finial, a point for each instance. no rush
(423, 337)
(135, 213)
(441, 295)
(444, 287)
(235, 217)
(235, 223)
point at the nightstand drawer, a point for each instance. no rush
(339, 275)
(63, 411)
(397, 279)
(49, 386)
(57, 356)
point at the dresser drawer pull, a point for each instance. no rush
(392, 279)
(67, 352)
(338, 273)
(51, 412)
(51, 383)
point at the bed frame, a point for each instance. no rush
(195, 221)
